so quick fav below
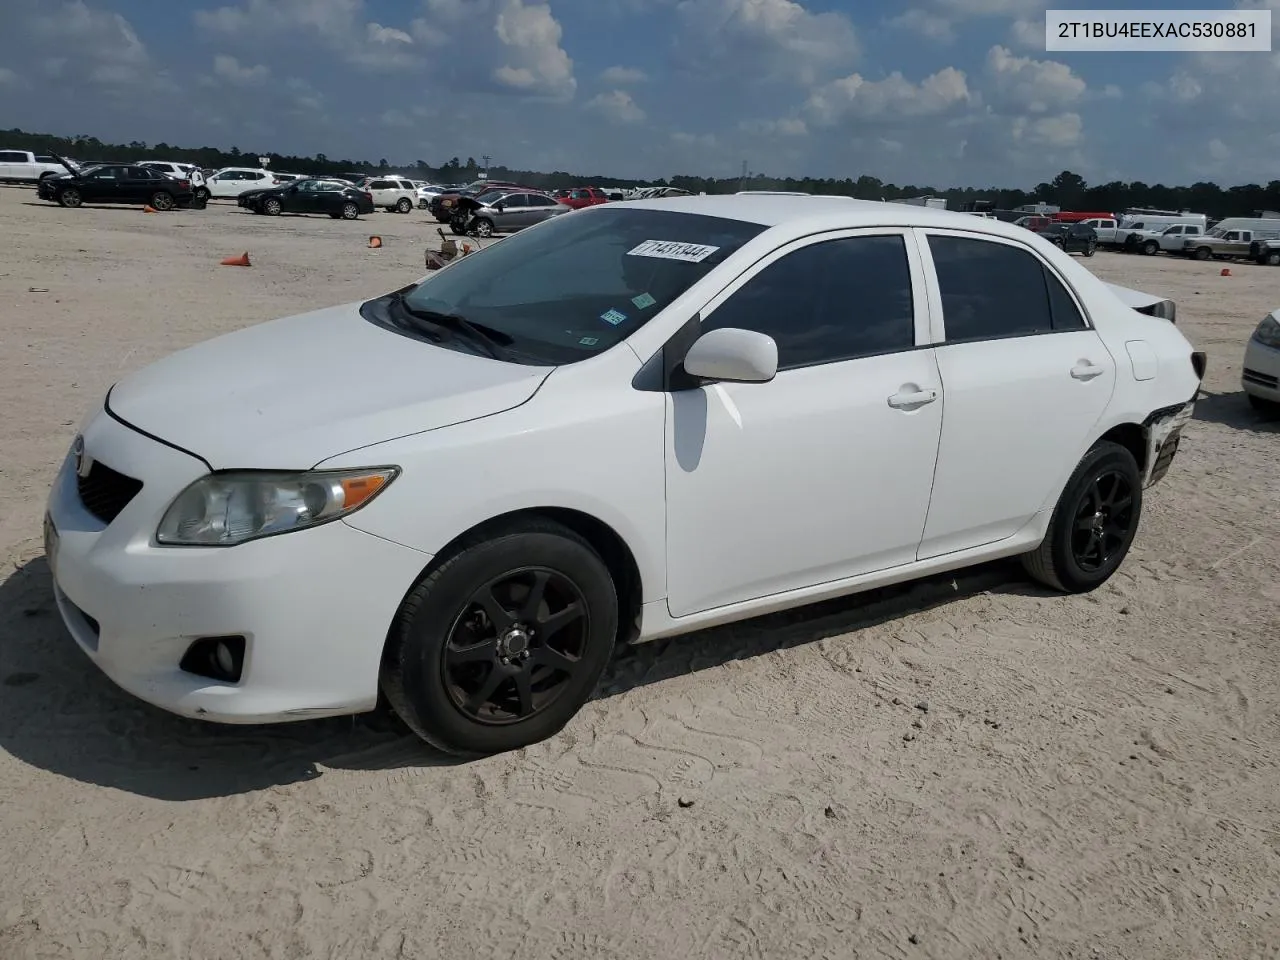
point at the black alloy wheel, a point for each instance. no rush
(70, 197)
(503, 640)
(1093, 524)
(516, 645)
(1104, 521)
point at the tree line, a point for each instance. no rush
(1067, 190)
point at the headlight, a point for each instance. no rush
(223, 509)
(1268, 332)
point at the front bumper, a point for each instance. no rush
(313, 606)
(1261, 377)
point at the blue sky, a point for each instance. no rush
(938, 92)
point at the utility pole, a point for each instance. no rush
(486, 158)
(743, 179)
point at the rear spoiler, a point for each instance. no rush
(1147, 303)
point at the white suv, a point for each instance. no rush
(230, 182)
(396, 194)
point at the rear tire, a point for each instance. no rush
(1089, 536)
(447, 647)
(404, 205)
(163, 201)
(349, 211)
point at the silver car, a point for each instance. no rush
(505, 210)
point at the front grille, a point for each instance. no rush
(1261, 379)
(105, 492)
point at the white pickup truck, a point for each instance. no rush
(1169, 239)
(22, 166)
(1109, 231)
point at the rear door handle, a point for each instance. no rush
(1086, 370)
(910, 397)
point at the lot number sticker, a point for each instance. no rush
(613, 317)
(673, 250)
(644, 301)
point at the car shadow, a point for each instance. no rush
(60, 714)
(1233, 410)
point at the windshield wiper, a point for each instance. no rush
(492, 342)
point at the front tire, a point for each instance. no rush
(272, 207)
(483, 228)
(1273, 258)
(1203, 253)
(70, 197)
(501, 644)
(404, 205)
(1150, 248)
(1090, 249)
(1093, 523)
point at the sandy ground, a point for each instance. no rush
(966, 768)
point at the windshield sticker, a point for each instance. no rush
(613, 317)
(589, 341)
(643, 301)
(673, 250)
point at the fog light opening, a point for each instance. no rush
(218, 658)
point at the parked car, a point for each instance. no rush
(580, 197)
(1034, 223)
(117, 183)
(442, 206)
(538, 452)
(230, 182)
(1071, 237)
(426, 191)
(1168, 238)
(22, 166)
(181, 171)
(502, 211)
(1261, 378)
(338, 199)
(395, 194)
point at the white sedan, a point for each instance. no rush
(1261, 377)
(634, 422)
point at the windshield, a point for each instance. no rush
(574, 286)
(490, 196)
(1217, 232)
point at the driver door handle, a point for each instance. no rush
(1086, 370)
(910, 397)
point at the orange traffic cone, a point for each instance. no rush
(375, 242)
(1226, 272)
(240, 261)
(148, 208)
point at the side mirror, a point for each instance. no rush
(500, 206)
(733, 355)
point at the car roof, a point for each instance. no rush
(826, 213)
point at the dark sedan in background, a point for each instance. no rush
(116, 183)
(1072, 237)
(336, 198)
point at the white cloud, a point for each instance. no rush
(894, 98)
(8, 77)
(231, 70)
(765, 39)
(1037, 86)
(928, 25)
(622, 76)
(100, 44)
(616, 105)
(1028, 34)
(1064, 130)
(534, 59)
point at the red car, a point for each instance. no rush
(580, 197)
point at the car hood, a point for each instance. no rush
(287, 394)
